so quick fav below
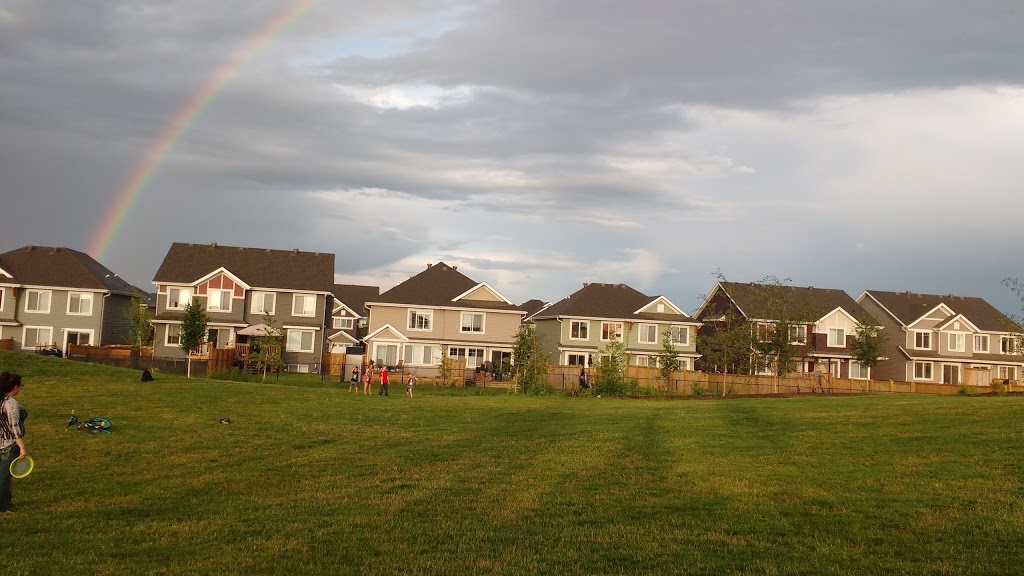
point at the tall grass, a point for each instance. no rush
(312, 479)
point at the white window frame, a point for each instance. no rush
(1012, 340)
(931, 370)
(863, 372)
(416, 313)
(579, 324)
(229, 294)
(619, 332)
(647, 360)
(261, 297)
(981, 338)
(684, 364)
(304, 297)
(961, 336)
(342, 323)
(299, 333)
(39, 293)
(462, 323)
(91, 333)
(800, 329)
(959, 373)
(376, 356)
(182, 300)
(680, 330)
(841, 344)
(3, 296)
(926, 334)
(413, 354)
(769, 329)
(1005, 372)
(568, 359)
(643, 331)
(167, 336)
(82, 296)
(24, 332)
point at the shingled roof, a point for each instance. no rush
(355, 297)
(257, 267)
(908, 307)
(61, 267)
(757, 300)
(439, 285)
(614, 301)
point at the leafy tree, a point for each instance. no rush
(193, 331)
(668, 358)
(785, 309)
(867, 347)
(140, 321)
(529, 363)
(1016, 326)
(445, 367)
(266, 348)
(726, 344)
(611, 369)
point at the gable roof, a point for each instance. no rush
(533, 306)
(614, 301)
(355, 297)
(908, 307)
(439, 285)
(61, 267)
(755, 300)
(257, 267)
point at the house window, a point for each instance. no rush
(837, 337)
(474, 357)
(303, 305)
(681, 335)
(218, 301)
(981, 342)
(950, 373)
(78, 338)
(219, 337)
(343, 323)
(37, 301)
(922, 370)
(956, 342)
(1008, 372)
(923, 340)
(173, 335)
(35, 336)
(178, 298)
(576, 359)
(424, 355)
(299, 341)
(263, 302)
(579, 330)
(684, 363)
(80, 303)
(648, 361)
(386, 354)
(472, 322)
(858, 371)
(1008, 344)
(765, 331)
(611, 331)
(421, 319)
(458, 353)
(648, 334)
(798, 334)
(2, 292)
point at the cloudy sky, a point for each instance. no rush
(535, 144)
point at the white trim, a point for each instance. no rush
(92, 302)
(167, 335)
(298, 327)
(714, 291)
(862, 367)
(1006, 368)
(963, 341)
(462, 323)
(622, 334)
(345, 334)
(345, 306)
(1016, 345)
(231, 297)
(182, 302)
(959, 372)
(3, 296)
(484, 285)
(988, 344)
(585, 322)
(287, 339)
(350, 320)
(4, 272)
(928, 313)
(70, 288)
(961, 318)
(304, 295)
(798, 326)
(640, 332)
(931, 370)
(828, 338)
(684, 328)
(913, 340)
(421, 306)
(424, 312)
(90, 331)
(286, 290)
(25, 328)
(49, 301)
(868, 294)
(388, 326)
(665, 301)
(226, 272)
(833, 311)
(264, 293)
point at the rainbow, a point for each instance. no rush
(135, 185)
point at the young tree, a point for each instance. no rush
(193, 331)
(668, 358)
(725, 344)
(529, 363)
(266, 348)
(140, 322)
(445, 367)
(1016, 326)
(867, 347)
(611, 369)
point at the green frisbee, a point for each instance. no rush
(22, 467)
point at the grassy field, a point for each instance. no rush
(311, 479)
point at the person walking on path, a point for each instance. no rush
(368, 379)
(383, 381)
(408, 385)
(12, 434)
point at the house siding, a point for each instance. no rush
(10, 306)
(115, 319)
(59, 320)
(895, 366)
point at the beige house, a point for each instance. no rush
(441, 311)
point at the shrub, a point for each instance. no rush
(697, 389)
(997, 387)
(963, 389)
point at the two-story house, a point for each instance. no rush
(54, 296)
(349, 319)
(948, 339)
(241, 287)
(441, 309)
(820, 322)
(574, 330)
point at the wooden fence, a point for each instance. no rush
(7, 344)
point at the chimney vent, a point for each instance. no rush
(213, 244)
(429, 264)
(295, 251)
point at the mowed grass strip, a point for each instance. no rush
(309, 478)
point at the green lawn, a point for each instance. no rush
(311, 479)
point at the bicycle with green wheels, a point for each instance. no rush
(95, 425)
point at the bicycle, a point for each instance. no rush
(95, 425)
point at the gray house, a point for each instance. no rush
(54, 296)
(349, 319)
(240, 287)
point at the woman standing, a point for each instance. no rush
(368, 379)
(12, 434)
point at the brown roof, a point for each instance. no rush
(355, 297)
(758, 301)
(532, 306)
(908, 307)
(438, 285)
(257, 267)
(61, 267)
(614, 301)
